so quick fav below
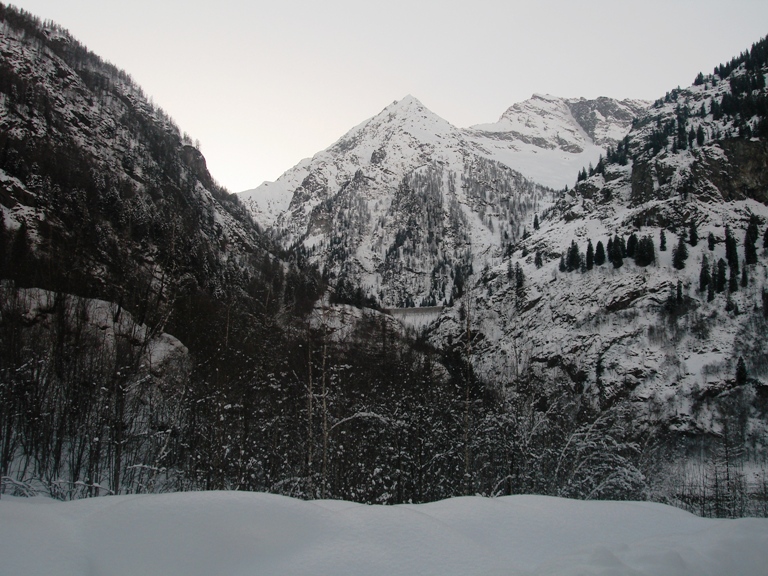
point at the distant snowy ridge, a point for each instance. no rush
(549, 139)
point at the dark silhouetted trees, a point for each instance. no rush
(645, 253)
(599, 254)
(680, 253)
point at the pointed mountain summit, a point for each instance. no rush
(406, 204)
(405, 132)
(407, 114)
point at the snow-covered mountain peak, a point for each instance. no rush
(536, 117)
(408, 118)
(549, 139)
(405, 197)
(570, 124)
(537, 102)
(406, 103)
(407, 109)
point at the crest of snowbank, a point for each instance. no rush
(237, 533)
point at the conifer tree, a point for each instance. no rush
(711, 290)
(680, 254)
(590, 255)
(631, 245)
(622, 246)
(731, 253)
(700, 134)
(693, 234)
(711, 241)
(645, 253)
(720, 276)
(562, 263)
(519, 282)
(662, 241)
(536, 222)
(741, 372)
(750, 241)
(573, 261)
(744, 277)
(733, 279)
(599, 254)
(704, 276)
(537, 260)
(610, 249)
(618, 258)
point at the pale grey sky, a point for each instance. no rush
(264, 84)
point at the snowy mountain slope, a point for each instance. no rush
(696, 163)
(405, 202)
(549, 139)
(238, 532)
(400, 205)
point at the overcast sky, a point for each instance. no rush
(264, 84)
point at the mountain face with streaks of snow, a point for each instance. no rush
(678, 328)
(406, 205)
(550, 139)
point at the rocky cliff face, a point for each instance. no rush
(606, 120)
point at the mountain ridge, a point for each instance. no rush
(464, 173)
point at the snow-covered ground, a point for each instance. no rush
(238, 533)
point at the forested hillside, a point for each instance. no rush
(645, 288)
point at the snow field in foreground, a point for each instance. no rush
(239, 533)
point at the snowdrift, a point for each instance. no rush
(237, 533)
